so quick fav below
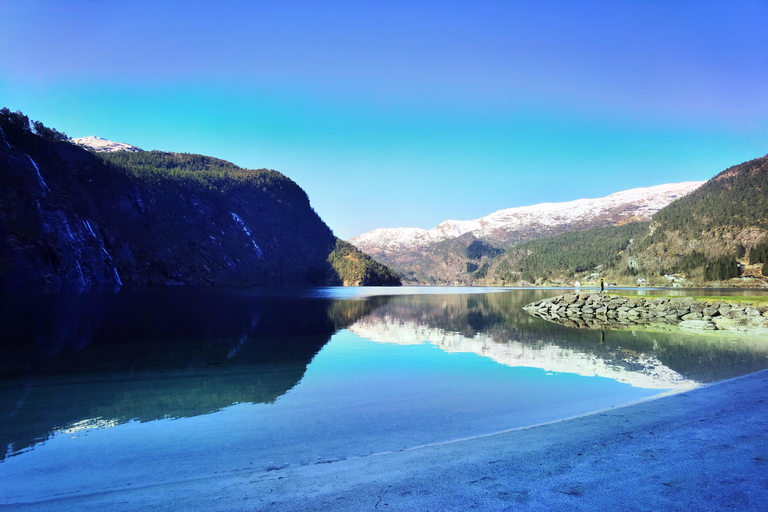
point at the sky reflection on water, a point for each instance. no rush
(195, 382)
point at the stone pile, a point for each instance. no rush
(593, 311)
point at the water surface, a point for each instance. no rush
(105, 390)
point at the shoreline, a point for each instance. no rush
(609, 311)
(705, 448)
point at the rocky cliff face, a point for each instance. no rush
(68, 217)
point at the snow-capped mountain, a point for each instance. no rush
(528, 222)
(101, 145)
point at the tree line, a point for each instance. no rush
(569, 253)
(19, 122)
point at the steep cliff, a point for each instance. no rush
(70, 216)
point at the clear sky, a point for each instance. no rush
(393, 113)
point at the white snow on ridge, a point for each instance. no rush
(636, 204)
(101, 145)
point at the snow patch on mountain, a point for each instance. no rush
(629, 205)
(101, 145)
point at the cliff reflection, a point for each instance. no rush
(495, 326)
(76, 361)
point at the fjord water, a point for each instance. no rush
(107, 390)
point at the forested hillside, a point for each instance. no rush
(356, 268)
(568, 255)
(736, 198)
(715, 235)
(70, 216)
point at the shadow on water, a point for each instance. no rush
(70, 361)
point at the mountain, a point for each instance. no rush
(439, 255)
(737, 197)
(103, 145)
(725, 220)
(72, 216)
(716, 235)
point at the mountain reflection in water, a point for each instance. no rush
(495, 326)
(72, 362)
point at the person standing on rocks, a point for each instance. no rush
(602, 286)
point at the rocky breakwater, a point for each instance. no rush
(592, 311)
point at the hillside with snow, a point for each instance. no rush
(101, 145)
(530, 222)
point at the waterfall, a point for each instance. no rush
(63, 217)
(88, 225)
(247, 231)
(4, 139)
(117, 276)
(79, 269)
(76, 246)
(37, 169)
(39, 176)
(111, 261)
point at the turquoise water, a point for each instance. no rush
(104, 391)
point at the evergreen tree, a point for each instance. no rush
(724, 267)
(759, 253)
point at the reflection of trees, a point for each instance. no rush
(146, 356)
(499, 316)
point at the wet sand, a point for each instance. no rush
(705, 449)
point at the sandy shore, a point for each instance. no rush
(705, 449)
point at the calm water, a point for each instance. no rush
(104, 390)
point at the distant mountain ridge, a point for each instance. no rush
(529, 222)
(101, 145)
(715, 236)
(462, 252)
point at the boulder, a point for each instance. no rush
(724, 323)
(699, 325)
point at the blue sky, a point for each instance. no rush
(407, 113)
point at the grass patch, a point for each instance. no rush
(733, 299)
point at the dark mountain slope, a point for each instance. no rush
(69, 216)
